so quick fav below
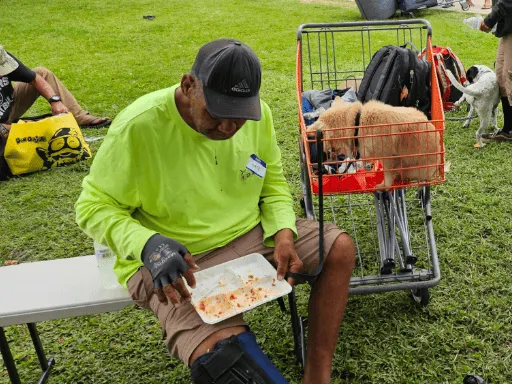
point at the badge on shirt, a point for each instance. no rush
(256, 166)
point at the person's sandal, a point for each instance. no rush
(89, 121)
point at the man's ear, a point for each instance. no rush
(187, 84)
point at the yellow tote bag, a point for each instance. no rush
(44, 144)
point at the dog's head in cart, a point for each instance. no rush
(402, 138)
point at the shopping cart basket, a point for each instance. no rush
(391, 225)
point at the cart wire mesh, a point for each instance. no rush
(322, 64)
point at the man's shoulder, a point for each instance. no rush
(147, 109)
(22, 72)
(149, 103)
(265, 109)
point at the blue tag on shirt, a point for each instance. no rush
(256, 166)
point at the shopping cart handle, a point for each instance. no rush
(308, 278)
(303, 277)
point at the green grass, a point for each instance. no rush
(108, 55)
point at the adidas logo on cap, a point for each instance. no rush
(241, 87)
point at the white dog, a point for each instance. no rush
(482, 95)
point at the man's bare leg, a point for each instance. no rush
(326, 306)
(208, 344)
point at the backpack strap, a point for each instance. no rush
(441, 75)
(458, 65)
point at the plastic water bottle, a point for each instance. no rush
(105, 259)
(475, 21)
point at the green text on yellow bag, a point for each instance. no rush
(44, 144)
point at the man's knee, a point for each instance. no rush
(209, 343)
(42, 71)
(343, 253)
(237, 359)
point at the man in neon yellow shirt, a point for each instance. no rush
(190, 177)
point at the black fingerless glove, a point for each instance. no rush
(163, 257)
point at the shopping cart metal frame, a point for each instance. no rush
(392, 212)
(463, 3)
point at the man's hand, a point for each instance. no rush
(484, 27)
(58, 108)
(168, 261)
(285, 255)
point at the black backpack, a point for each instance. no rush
(392, 68)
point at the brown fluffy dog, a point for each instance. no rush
(384, 133)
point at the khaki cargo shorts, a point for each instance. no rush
(184, 328)
(504, 67)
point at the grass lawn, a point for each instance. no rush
(108, 55)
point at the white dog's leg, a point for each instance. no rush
(470, 113)
(485, 119)
(460, 101)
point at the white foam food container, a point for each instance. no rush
(236, 286)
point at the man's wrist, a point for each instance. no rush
(54, 99)
(284, 235)
(150, 245)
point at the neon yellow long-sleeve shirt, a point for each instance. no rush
(155, 174)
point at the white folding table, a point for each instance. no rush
(49, 290)
(55, 289)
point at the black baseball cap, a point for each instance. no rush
(231, 75)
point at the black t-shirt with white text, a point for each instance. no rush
(23, 74)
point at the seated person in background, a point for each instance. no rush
(17, 98)
(190, 177)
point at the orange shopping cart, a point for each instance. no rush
(392, 225)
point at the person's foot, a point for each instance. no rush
(90, 121)
(497, 136)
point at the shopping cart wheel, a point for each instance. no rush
(387, 267)
(411, 259)
(421, 296)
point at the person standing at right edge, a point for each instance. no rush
(501, 16)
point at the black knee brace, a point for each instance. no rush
(228, 364)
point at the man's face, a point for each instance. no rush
(206, 124)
